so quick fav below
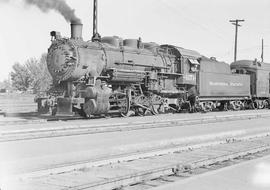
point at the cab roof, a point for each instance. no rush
(183, 52)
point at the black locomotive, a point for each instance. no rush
(112, 75)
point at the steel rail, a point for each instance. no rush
(104, 160)
(70, 130)
(208, 157)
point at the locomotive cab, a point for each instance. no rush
(187, 65)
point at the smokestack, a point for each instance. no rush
(76, 31)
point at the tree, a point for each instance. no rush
(46, 77)
(5, 84)
(32, 75)
(40, 76)
(20, 77)
(34, 72)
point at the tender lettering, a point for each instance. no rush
(225, 84)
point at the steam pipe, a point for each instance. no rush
(95, 18)
(96, 36)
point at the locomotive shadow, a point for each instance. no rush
(37, 116)
(33, 115)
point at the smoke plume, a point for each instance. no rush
(58, 5)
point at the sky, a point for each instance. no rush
(201, 25)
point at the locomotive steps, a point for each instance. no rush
(44, 129)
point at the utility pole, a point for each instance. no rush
(96, 36)
(262, 50)
(236, 23)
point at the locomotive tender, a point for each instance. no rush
(112, 75)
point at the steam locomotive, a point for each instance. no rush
(129, 77)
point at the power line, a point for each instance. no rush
(235, 22)
(191, 21)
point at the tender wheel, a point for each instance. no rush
(266, 104)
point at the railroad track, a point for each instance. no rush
(149, 171)
(35, 118)
(80, 129)
(154, 171)
(185, 144)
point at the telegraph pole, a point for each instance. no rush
(96, 36)
(236, 23)
(262, 50)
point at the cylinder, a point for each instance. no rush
(76, 31)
